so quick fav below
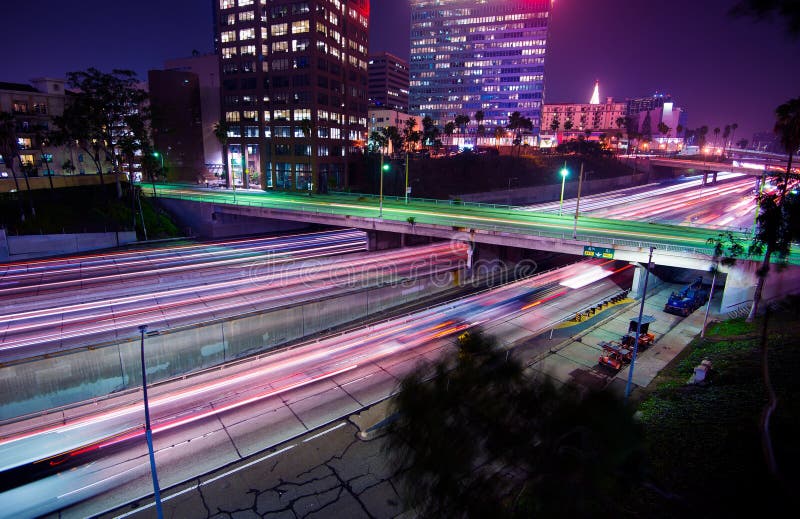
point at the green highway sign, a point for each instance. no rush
(598, 252)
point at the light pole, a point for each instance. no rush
(508, 191)
(577, 204)
(564, 173)
(161, 157)
(384, 167)
(638, 326)
(148, 432)
(407, 177)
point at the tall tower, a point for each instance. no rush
(293, 89)
(595, 100)
(470, 55)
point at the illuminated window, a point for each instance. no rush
(302, 114)
(232, 117)
(250, 115)
(247, 34)
(227, 36)
(246, 16)
(279, 29)
(300, 26)
(280, 46)
(228, 52)
(244, 3)
(248, 50)
(282, 114)
(226, 4)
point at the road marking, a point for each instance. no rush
(203, 483)
(324, 432)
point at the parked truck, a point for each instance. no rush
(687, 300)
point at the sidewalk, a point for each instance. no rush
(575, 359)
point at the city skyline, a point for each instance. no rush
(720, 69)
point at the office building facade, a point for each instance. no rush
(388, 82)
(477, 55)
(293, 89)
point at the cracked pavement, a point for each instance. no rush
(332, 473)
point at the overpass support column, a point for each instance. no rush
(381, 240)
(705, 178)
(714, 178)
(637, 286)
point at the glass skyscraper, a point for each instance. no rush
(471, 55)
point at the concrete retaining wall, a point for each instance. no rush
(213, 222)
(40, 384)
(59, 181)
(42, 245)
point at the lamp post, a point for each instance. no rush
(564, 173)
(148, 432)
(384, 167)
(407, 177)
(161, 157)
(638, 326)
(577, 204)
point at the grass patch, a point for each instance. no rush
(704, 443)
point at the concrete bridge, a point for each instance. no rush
(494, 231)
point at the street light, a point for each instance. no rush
(148, 432)
(639, 326)
(161, 157)
(384, 167)
(407, 188)
(577, 204)
(564, 173)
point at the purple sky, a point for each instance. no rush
(721, 70)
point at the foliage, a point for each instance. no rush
(482, 440)
(703, 441)
(789, 10)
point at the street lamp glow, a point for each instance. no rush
(564, 174)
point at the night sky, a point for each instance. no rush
(721, 70)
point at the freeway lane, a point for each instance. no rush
(225, 414)
(728, 204)
(446, 213)
(37, 326)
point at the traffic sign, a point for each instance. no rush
(598, 252)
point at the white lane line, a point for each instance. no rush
(325, 432)
(195, 487)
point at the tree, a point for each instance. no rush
(702, 132)
(42, 138)
(568, 124)
(9, 149)
(647, 129)
(762, 9)
(98, 117)
(716, 136)
(482, 440)
(679, 130)
(499, 133)
(429, 131)
(410, 136)
(663, 129)
(517, 123)
(449, 128)
(555, 124)
(221, 133)
(479, 116)
(461, 122)
(734, 127)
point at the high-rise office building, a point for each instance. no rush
(293, 89)
(471, 55)
(388, 82)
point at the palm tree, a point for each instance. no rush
(517, 124)
(726, 133)
(773, 234)
(555, 124)
(499, 133)
(42, 137)
(734, 127)
(479, 116)
(716, 135)
(663, 129)
(221, 133)
(449, 129)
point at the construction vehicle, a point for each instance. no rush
(614, 355)
(618, 353)
(689, 299)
